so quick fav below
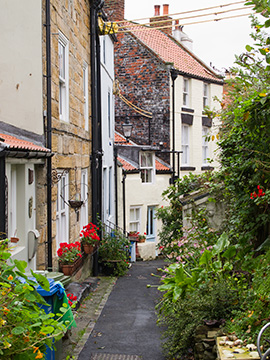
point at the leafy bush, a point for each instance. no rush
(114, 252)
(181, 318)
(25, 328)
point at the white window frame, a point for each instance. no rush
(185, 92)
(84, 198)
(62, 209)
(185, 143)
(205, 95)
(109, 105)
(110, 185)
(147, 170)
(63, 44)
(85, 96)
(135, 222)
(205, 145)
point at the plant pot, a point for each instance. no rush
(14, 239)
(141, 240)
(89, 249)
(69, 269)
(133, 238)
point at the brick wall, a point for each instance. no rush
(115, 9)
(144, 80)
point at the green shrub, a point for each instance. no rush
(114, 253)
(180, 319)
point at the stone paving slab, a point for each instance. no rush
(114, 357)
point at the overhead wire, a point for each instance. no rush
(183, 18)
(173, 25)
(186, 12)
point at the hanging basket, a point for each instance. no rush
(89, 249)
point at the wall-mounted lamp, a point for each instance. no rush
(127, 129)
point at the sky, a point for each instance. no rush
(214, 42)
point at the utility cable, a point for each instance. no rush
(191, 23)
(181, 19)
(116, 91)
(185, 12)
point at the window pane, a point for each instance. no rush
(61, 61)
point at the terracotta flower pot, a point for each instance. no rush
(67, 269)
(14, 239)
(88, 248)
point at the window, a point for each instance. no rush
(185, 144)
(205, 147)
(151, 223)
(134, 219)
(84, 198)
(85, 96)
(109, 115)
(105, 195)
(63, 77)
(104, 49)
(110, 191)
(205, 95)
(62, 210)
(147, 167)
(185, 92)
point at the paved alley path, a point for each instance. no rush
(127, 324)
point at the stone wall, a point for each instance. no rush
(205, 342)
(71, 142)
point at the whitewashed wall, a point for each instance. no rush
(21, 64)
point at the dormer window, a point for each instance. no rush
(147, 167)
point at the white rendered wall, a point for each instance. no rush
(107, 78)
(195, 130)
(21, 64)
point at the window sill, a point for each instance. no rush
(187, 168)
(207, 167)
(187, 110)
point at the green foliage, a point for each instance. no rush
(114, 252)
(182, 317)
(25, 328)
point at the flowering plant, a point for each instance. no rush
(89, 234)
(69, 253)
(133, 233)
(142, 237)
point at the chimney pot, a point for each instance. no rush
(165, 9)
(157, 10)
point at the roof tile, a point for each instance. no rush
(14, 143)
(170, 50)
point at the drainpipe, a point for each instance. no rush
(3, 196)
(124, 200)
(115, 185)
(96, 157)
(49, 135)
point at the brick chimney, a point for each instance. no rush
(162, 18)
(115, 9)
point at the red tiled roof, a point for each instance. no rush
(161, 166)
(126, 164)
(170, 50)
(17, 144)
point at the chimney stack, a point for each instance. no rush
(115, 9)
(165, 9)
(157, 10)
(162, 19)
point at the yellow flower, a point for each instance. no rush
(10, 277)
(213, 137)
(262, 94)
(39, 355)
(35, 349)
(266, 50)
(217, 136)
(2, 322)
